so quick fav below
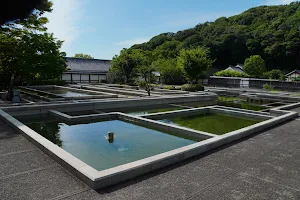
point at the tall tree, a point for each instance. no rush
(11, 10)
(126, 63)
(28, 52)
(81, 55)
(195, 63)
(255, 66)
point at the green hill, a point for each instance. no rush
(270, 31)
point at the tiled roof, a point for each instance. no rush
(237, 69)
(295, 71)
(88, 65)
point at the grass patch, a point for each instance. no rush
(212, 123)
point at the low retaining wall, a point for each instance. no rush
(98, 179)
(105, 104)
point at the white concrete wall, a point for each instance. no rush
(84, 78)
(66, 77)
(292, 76)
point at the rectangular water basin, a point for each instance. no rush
(241, 105)
(146, 109)
(67, 93)
(89, 142)
(212, 123)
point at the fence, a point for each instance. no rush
(234, 82)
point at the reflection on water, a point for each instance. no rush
(89, 143)
(49, 130)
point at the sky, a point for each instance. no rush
(101, 28)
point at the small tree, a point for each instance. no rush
(254, 66)
(146, 73)
(194, 62)
(81, 55)
(126, 63)
(145, 69)
(169, 71)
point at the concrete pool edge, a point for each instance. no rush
(58, 97)
(98, 179)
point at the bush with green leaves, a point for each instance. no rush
(268, 87)
(192, 87)
(115, 76)
(274, 74)
(195, 62)
(254, 66)
(231, 73)
(169, 71)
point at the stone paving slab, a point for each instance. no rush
(296, 110)
(43, 184)
(175, 183)
(241, 186)
(23, 161)
(13, 143)
(88, 195)
(264, 166)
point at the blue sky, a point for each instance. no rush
(102, 28)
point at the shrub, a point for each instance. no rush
(103, 81)
(115, 76)
(192, 87)
(169, 87)
(268, 87)
(231, 73)
(274, 74)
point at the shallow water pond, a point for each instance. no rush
(211, 123)
(89, 142)
(67, 93)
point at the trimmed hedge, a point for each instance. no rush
(192, 87)
(231, 73)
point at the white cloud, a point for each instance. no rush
(63, 21)
(129, 43)
(277, 2)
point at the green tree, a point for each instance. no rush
(194, 62)
(269, 31)
(275, 74)
(18, 10)
(81, 55)
(170, 72)
(145, 70)
(28, 52)
(126, 63)
(254, 66)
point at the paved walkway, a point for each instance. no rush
(264, 166)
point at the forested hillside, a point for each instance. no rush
(270, 31)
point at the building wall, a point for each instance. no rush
(292, 76)
(83, 78)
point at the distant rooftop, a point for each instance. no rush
(237, 68)
(82, 65)
(295, 71)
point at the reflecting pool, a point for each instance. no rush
(90, 142)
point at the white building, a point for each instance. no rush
(292, 75)
(237, 68)
(82, 70)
